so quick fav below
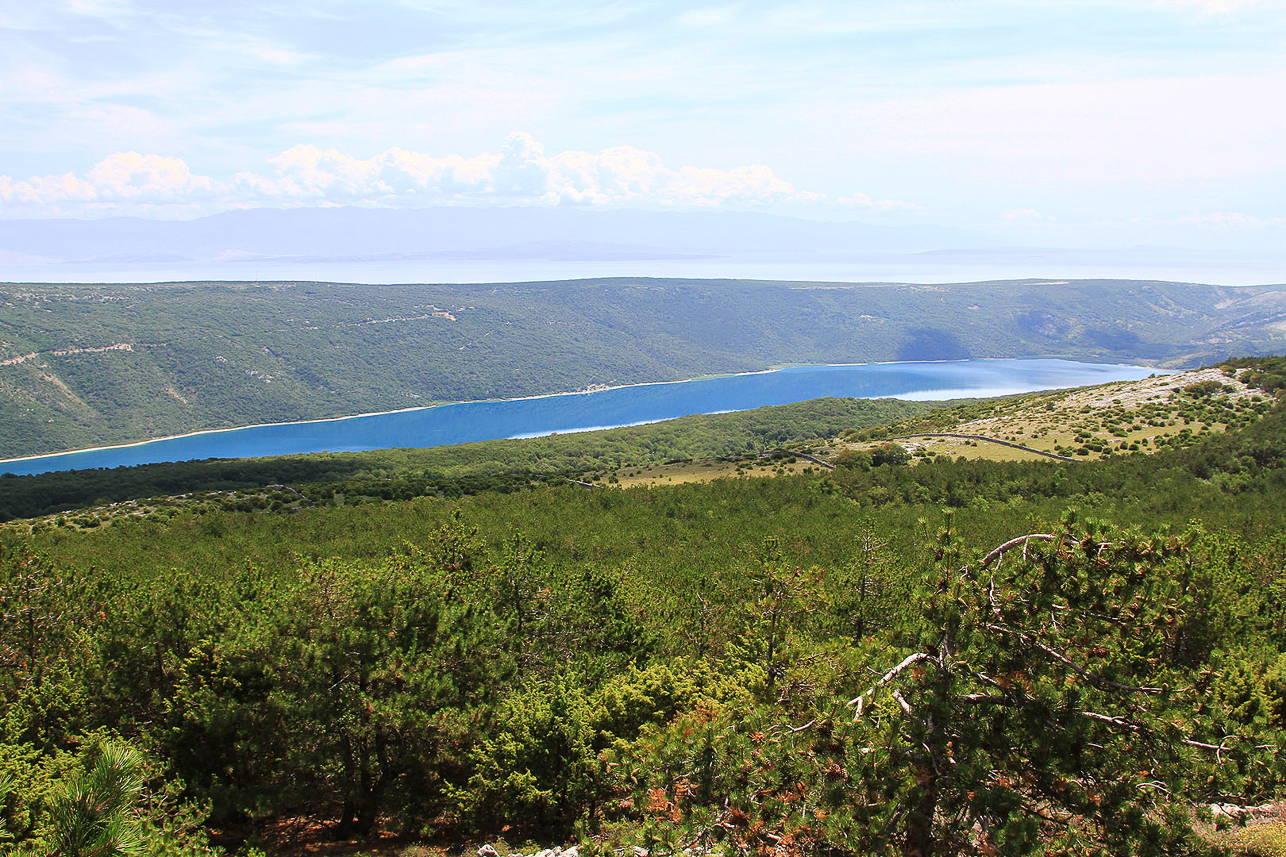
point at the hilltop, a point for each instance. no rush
(1170, 410)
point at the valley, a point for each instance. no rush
(637, 429)
(125, 363)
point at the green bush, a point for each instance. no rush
(654, 695)
(538, 769)
(890, 453)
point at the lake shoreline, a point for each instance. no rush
(413, 408)
(913, 395)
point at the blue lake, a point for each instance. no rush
(488, 420)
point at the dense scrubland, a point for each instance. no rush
(934, 655)
(84, 365)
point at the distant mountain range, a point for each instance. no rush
(511, 244)
(329, 234)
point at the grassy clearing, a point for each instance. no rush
(1087, 423)
(956, 447)
(1256, 840)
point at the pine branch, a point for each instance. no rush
(1092, 678)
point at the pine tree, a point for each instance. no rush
(1041, 708)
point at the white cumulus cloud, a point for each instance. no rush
(150, 178)
(307, 174)
(521, 173)
(124, 177)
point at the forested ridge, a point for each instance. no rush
(86, 365)
(955, 656)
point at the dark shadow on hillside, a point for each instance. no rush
(932, 343)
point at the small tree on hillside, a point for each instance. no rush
(375, 671)
(780, 602)
(863, 592)
(890, 453)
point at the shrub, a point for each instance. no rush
(890, 453)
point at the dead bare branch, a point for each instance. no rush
(1013, 543)
(860, 699)
(1122, 723)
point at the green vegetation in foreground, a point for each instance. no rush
(86, 365)
(450, 471)
(841, 663)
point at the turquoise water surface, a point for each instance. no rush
(488, 420)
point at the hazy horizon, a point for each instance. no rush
(1070, 125)
(511, 245)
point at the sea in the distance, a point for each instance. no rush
(620, 406)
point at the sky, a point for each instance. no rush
(1060, 122)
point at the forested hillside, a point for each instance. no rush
(82, 365)
(951, 656)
